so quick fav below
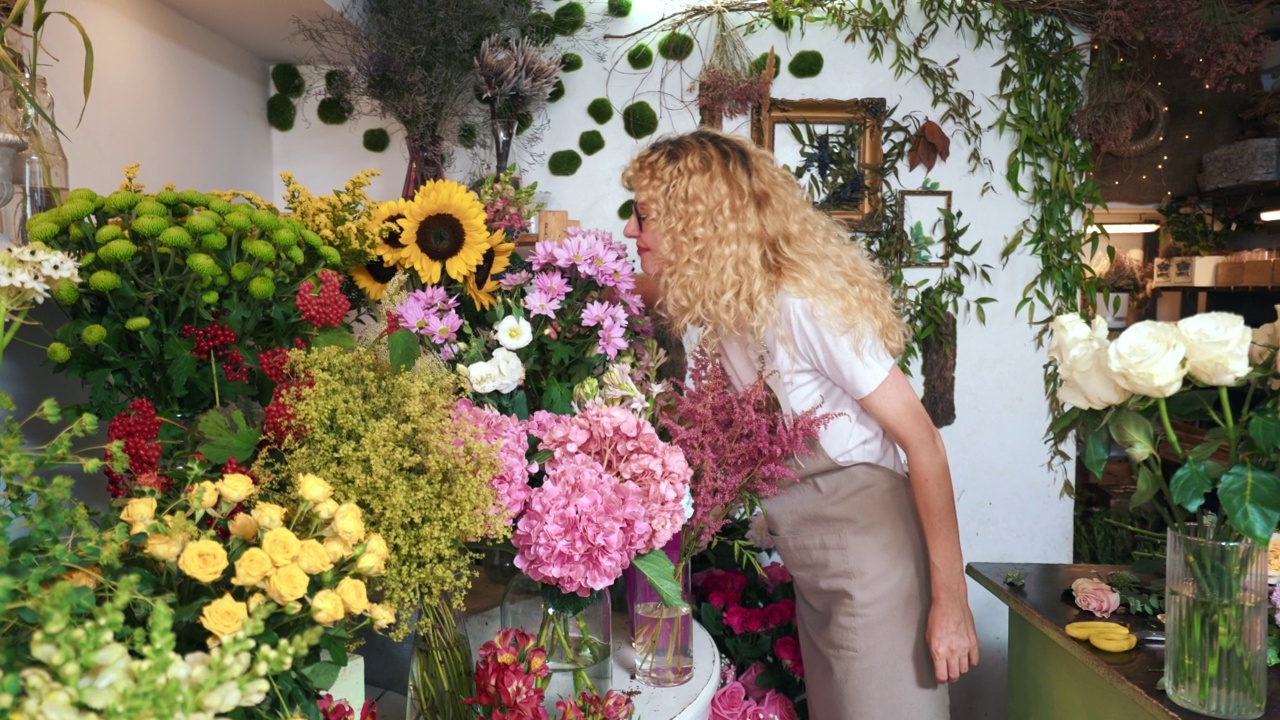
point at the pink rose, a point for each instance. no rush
(748, 680)
(730, 703)
(777, 707)
(1095, 596)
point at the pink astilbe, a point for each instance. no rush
(507, 678)
(738, 443)
(507, 435)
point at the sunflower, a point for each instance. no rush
(443, 227)
(373, 277)
(390, 247)
(483, 281)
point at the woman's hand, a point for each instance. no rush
(953, 641)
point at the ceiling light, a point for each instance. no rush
(1269, 215)
(1122, 228)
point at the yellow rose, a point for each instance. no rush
(382, 616)
(244, 527)
(203, 560)
(354, 596)
(139, 512)
(224, 616)
(252, 568)
(326, 509)
(235, 487)
(327, 607)
(86, 577)
(287, 584)
(281, 544)
(313, 489)
(313, 558)
(165, 548)
(348, 523)
(206, 493)
(373, 561)
(255, 600)
(269, 515)
(337, 548)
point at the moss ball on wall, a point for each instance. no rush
(468, 136)
(376, 140)
(591, 142)
(783, 22)
(600, 110)
(524, 121)
(806, 64)
(758, 65)
(337, 83)
(280, 112)
(564, 162)
(570, 18)
(675, 46)
(541, 28)
(625, 210)
(639, 119)
(288, 80)
(333, 111)
(618, 8)
(640, 57)
(557, 91)
(570, 62)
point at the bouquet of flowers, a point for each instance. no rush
(188, 287)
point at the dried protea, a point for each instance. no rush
(518, 73)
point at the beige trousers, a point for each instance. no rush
(851, 538)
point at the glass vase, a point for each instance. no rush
(575, 632)
(1216, 624)
(39, 172)
(440, 672)
(662, 635)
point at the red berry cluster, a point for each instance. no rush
(138, 427)
(219, 339)
(393, 321)
(279, 422)
(329, 306)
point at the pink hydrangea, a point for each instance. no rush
(507, 435)
(581, 528)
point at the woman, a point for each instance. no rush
(736, 250)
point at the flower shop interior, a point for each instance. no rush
(319, 481)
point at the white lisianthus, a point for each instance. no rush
(508, 369)
(483, 377)
(514, 332)
(1086, 381)
(1149, 359)
(1217, 347)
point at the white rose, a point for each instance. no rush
(1265, 340)
(1081, 353)
(509, 369)
(1217, 347)
(1148, 359)
(513, 332)
(483, 377)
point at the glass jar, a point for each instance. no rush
(40, 171)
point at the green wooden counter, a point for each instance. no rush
(1054, 677)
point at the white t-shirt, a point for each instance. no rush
(834, 371)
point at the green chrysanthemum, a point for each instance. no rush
(84, 194)
(122, 201)
(265, 220)
(149, 226)
(75, 210)
(238, 221)
(261, 287)
(167, 197)
(202, 264)
(194, 197)
(118, 251)
(205, 222)
(330, 255)
(221, 280)
(88, 259)
(240, 271)
(176, 237)
(295, 255)
(220, 206)
(209, 297)
(107, 233)
(268, 272)
(150, 207)
(104, 281)
(137, 323)
(93, 334)
(213, 241)
(64, 291)
(77, 234)
(284, 238)
(312, 239)
(259, 250)
(58, 352)
(42, 231)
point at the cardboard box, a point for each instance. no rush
(1229, 273)
(1257, 272)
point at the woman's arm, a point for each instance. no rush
(952, 639)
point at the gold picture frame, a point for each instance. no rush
(864, 116)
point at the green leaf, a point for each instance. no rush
(1065, 421)
(1265, 431)
(337, 650)
(557, 397)
(403, 348)
(1251, 498)
(1204, 450)
(661, 573)
(1148, 486)
(1097, 448)
(335, 337)
(1189, 485)
(226, 435)
(1134, 433)
(322, 674)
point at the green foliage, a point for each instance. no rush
(569, 18)
(280, 112)
(468, 136)
(806, 64)
(626, 210)
(376, 140)
(618, 8)
(333, 110)
(570, 62)
(640, 57)
(591, 142)
(639, 120)
(557, 91)
(675, 46)
(600, 110)
(288, 80)
(564, 162)
(524, 121)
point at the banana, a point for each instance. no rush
(1082, 630)
(1113, 641)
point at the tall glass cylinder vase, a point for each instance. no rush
(1216, 624)
(662, 635)
(440, 672)
(575, 632)
(40, 171)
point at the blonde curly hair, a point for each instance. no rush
(736, 230)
